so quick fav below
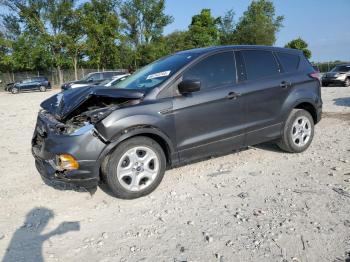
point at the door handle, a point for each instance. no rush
(233, 95)
(285, 84)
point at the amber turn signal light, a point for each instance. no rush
(67, 162)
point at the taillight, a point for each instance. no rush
(315, 75)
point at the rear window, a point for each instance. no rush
(289, 62)
(259, 64)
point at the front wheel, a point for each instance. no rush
(135, 168)
(14, 90)
(347, 82)
(42, 89)
(298, 132)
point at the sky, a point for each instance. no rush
(323, 24)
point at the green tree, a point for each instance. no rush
(301, 45)
(43, 23)
(143, 25)
(227, 28)
(144, 20)
(258, 25)
(2, 51)
(101, 25)
(177, 41)
(203, 30)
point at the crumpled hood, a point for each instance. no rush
(64, 103)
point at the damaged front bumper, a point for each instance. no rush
(84, 145)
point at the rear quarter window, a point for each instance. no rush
(259, 64)
(290, 63)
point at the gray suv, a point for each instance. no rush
(184, 107)
(339, 75)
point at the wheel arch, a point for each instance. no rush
(147, 131)
(309, 107)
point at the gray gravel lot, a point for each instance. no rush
(256, 205)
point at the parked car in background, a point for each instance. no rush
(114, 81)
(40, 83)
(107, 82)
(179, 109)
(94, 78)
(339, 75)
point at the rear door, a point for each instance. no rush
(210, 121)
(265, 93)
(27, 84)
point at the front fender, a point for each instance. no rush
(145, 130)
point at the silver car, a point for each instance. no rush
(339, 75)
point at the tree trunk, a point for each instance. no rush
(60, 75)
(75, 64)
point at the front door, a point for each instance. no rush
(210, 121)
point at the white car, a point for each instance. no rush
(114, 80)
(107, 82)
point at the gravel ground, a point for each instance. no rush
(256, 205)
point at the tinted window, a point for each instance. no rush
(109, 74)
(216, 70)
(259, 64)
(40, 79)
(289, 62)
(341, 68)
(94, 77)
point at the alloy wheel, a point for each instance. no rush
(301, 131)
(138, 168)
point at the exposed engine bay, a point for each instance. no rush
(91, 112)
(70, 111)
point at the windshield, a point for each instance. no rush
(86, 77)
(156, 73)
(105, 82)
(343, 68)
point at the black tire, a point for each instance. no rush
(286, 143)
(347, 82)
(42, 89)
(14, 90)
(325, 84)
(113, 160)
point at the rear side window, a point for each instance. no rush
(109, 74)
(94, 77)
(214, 71)
(259, 64)
(289, 62)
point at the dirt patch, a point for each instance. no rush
(337, 115)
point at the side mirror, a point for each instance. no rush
(189, 86)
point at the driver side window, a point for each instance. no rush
(214, 71)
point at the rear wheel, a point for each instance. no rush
(135, 168)
(14, 90)
(298, 132)
(347, 82)
(42, 89)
